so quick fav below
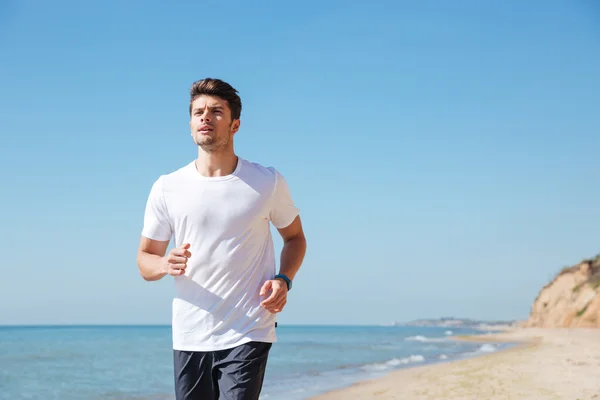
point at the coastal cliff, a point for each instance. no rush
(570, 300)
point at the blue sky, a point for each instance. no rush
(443, 154)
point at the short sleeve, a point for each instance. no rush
(283, 211)
(156, 217)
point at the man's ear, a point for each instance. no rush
(235, 126)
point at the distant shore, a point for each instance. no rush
(547, 364)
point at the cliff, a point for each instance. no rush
(570, 300)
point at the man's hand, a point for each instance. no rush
(175, 262)
(278, 298)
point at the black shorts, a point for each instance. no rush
(232, 374)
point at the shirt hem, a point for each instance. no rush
(191, 347)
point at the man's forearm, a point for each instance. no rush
(151, 266)
(292, 255)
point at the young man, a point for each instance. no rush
(218, 209)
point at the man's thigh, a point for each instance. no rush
(194, 375)
(241, 371)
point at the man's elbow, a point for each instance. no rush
(141, 269)
(298, 240)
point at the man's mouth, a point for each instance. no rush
(206, 129)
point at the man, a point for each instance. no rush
(218, 209)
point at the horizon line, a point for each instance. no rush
(413, 322)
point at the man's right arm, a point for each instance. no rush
(150, 258)
(154, 265)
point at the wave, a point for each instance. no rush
(484, 348)
(425, 339)
(487, 348)
(394, 362)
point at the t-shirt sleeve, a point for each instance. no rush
(156, 217)
(283, 211)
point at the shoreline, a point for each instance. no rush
(540, 364)
(485, 335)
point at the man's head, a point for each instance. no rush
(215, 109)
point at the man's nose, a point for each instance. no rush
(206, 116)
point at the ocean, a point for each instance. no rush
(135, 362)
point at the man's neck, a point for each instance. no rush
(216, 164)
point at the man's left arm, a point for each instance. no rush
(285, 217)
(294, 248)
(292, 255)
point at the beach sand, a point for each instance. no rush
(560, 364)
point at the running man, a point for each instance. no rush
(218, 209)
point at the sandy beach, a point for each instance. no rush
(557, 364)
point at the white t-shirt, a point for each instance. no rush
(226, 221)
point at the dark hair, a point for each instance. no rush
(218, 88)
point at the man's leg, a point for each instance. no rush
(194, 375)
(241, 370)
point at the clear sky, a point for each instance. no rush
(443, 154)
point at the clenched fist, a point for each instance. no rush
(278, 297)
(176, 260)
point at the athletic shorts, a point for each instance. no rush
(232, 374)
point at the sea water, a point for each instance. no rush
(136, 362)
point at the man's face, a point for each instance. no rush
(211, 124)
